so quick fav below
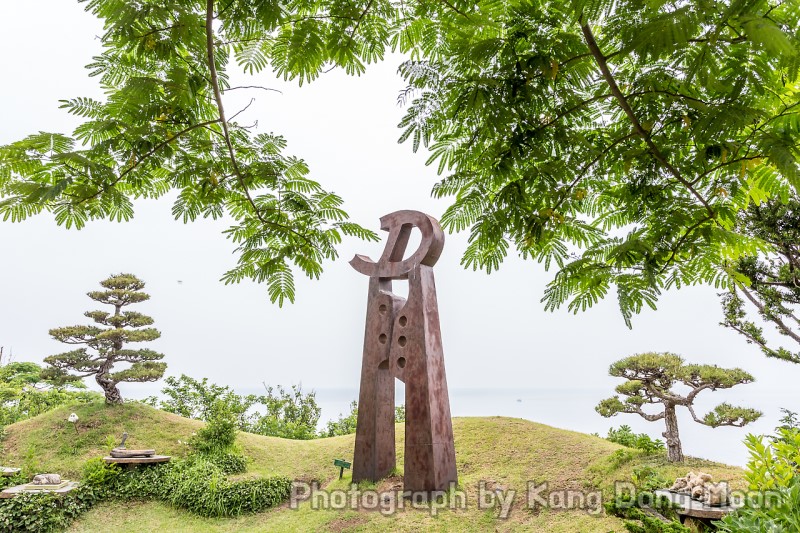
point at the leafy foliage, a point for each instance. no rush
(772, 475)
(23, 393)
(771, 282)
(628, 507)
(122, 327)
(346, 425)
(193, 484)
(616, 141)
(291, 415)
(192, 398)
(163, 128)
(642, 441)
(288, 414)
(649, 381)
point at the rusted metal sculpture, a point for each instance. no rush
(403, 340)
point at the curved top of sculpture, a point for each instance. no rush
(399, 224)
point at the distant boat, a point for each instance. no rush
(519, 400)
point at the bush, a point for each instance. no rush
(199, 486)
(626, 506)
(287, 414)
(626, 437)
(216, 442)
(346, 425)
(772, 473)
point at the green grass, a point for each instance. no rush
(504, 453)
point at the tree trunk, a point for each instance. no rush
(113, 396)
(673, 440)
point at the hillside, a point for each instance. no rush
(504, 453)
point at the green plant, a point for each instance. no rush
(288, 414)
(163, 127)
(629, 507)
(219, 433)
(345, 425)
(98, 473)
(25, 394)
(192, 398)
(615, 142)
(278, 413)
(648, 478)
(642, 441)
(770, 281)
(649, 381)
(773, 478)
(121, 328)
(216, 442)
(30, 462)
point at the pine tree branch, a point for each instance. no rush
(786, 330)
(648, 417)
(600, 59)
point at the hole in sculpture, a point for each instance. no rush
(400, 288)
(402, 341)
(382, 309)
(384, 365)
(403, 321)
(401, 362)
(382, 338)
(413, 242)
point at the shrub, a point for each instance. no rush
(216, 442)
(626, 506)
(772, 473)
(97, 473)
(642, 441)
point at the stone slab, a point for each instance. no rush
(6, 471)
(695, 508)
(138, 460)
(11, 492)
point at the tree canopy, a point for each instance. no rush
(108, 344)
(650, 378)
(617, 141)
(772, 285)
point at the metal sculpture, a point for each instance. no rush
(402, 340)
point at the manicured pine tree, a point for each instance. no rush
(650, 379)
(107, 344)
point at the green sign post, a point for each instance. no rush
(342, 464)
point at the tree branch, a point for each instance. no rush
(786, 330)
(600, 59)
(212, 67)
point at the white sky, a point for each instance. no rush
(495, 333)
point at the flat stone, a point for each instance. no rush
(122, 452)
(65, 487)
(6, 471)
(138, 460)
(696, 508)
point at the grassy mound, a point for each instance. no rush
(497, 453)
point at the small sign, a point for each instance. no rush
(342, 464)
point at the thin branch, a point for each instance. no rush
(623, 102)
(141, 159)
(212, 67)
(589, 165)
(773, 318)
(683, 238)
(253, 87)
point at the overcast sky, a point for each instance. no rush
(495, 332)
